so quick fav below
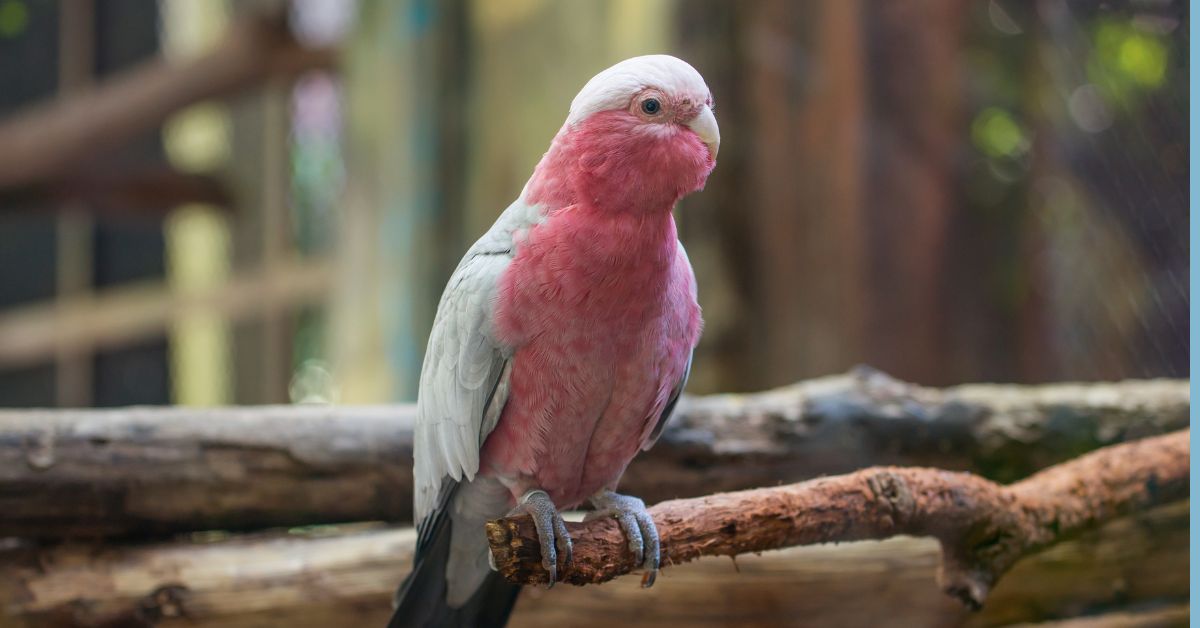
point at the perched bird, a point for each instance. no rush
(562, 342)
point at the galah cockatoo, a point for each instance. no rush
(562, 342)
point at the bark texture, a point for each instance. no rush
(154, 471)
(983, 527)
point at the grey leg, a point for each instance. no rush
(551, 529)
(630, 512)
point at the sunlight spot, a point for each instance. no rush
(997, 134)
(1127, 60)
(1144, 59)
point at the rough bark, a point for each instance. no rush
(983, 527)
(345, 576)
(146, 471)
(50, 140)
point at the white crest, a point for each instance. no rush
(612, 88)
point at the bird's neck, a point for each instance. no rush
(608, 166)
(601, 274)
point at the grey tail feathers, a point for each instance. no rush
(421, 600)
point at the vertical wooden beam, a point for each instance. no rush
(914, 122)
(75, 227)
(375, 78)
(276, 243)
(199, 250)
(813, 270)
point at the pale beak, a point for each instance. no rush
(705, 126)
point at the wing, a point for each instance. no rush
(669, 408)
(464, 379)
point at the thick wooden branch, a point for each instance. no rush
(52, 139)
(983, 527)
(153, 471)
(864, 418)
(345, 575)
(144, 471)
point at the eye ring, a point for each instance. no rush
(651, 107)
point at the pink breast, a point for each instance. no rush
(603, 313)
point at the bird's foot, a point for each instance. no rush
(551, 530)
(630, 512)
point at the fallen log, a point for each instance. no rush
(345, 575)
(155, 471)
(983, 527)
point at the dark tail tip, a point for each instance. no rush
(421, 600)
(425, 607)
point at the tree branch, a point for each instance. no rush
(983, 527)
(146, 471)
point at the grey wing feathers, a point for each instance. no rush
(670, 407)
(464, 378)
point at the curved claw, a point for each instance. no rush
(563, 539)
(629, 524)
(653, 547)
(551, 530)
(635, 521)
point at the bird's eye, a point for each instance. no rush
(651, 106)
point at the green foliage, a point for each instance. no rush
(1126, 61)
(14, 18)
(997, 134)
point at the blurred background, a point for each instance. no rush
(207, 202)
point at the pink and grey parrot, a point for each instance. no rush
(562, 342)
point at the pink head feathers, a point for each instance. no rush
(639, 135)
